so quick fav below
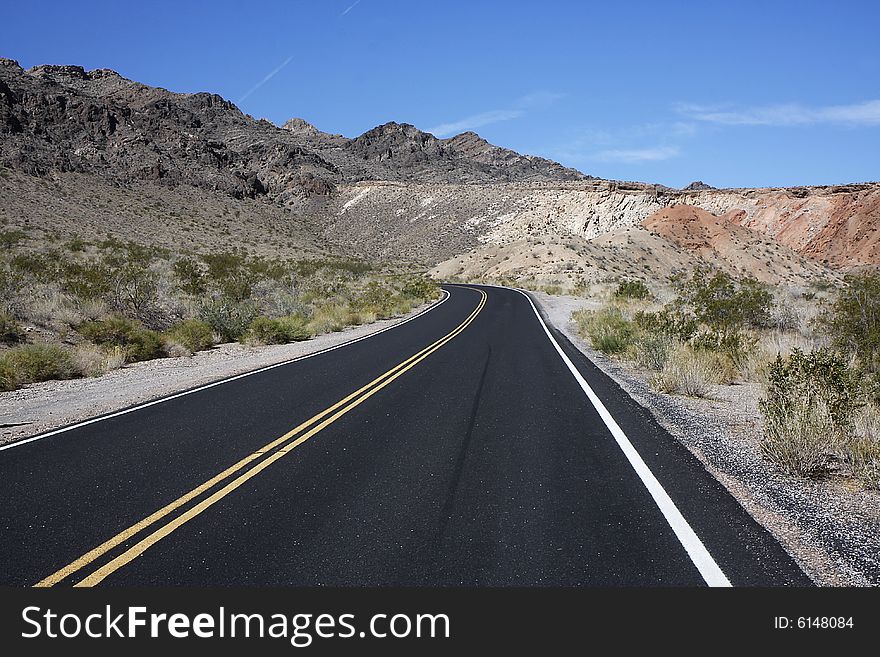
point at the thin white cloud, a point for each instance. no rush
(350, 7)
(518, 108)
(475, 121)
(636, 155)
(866, 113)
(633, 144)
(268, 77)
(538, 100)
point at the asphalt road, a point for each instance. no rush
(458, 448)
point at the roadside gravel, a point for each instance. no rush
(831, 527)
(49, 405)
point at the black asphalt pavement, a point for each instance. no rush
(483, 464)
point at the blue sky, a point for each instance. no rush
(733, 93)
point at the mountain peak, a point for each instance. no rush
(300, 126)
(697, 186)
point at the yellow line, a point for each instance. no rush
(121, 537)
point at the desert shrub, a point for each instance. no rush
(755, 366)
(785, 317)
(189, 277)
(76, 245)
(133, 288)
(552, 290)
(687, 372)
(230, 319)
(137, 342)
(652, 350)
(351, 267)
(421, 288)
(863, 447)
(8, 378)
(39, 267)
(32, 363)
(10, 330)
(608, 330)
(87, 280)
(282, 330)
(230, 275)
(11, 283)
(737, 346)
(854, 320)
(376, 297)
(11, 238)
(92, 360)
(632, 289)
(193, 334)
(808, 408)
(726, 305)
(330, 318)
(670, 321)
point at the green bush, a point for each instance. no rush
(193, 334)
(282, 330)
(190, 278)
(737, 346)
(230, 319)
(421, 288)
(670, 321)
(607, 329)
(39, 362)
(231, 275)
(652, 350)
(137, 342)
(854, 321)
(632, 289)
(10, 330)
(332, 317)
(726, 305)
(810, 402)
(8, 378)
(10, 238)
(87, 280)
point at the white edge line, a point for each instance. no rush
(235, 377)
(699, 555)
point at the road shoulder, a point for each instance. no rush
(831, 531)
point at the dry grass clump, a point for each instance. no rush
(607, 329)
(863, 447)
(92, 360)
(32, 363)
(688, 372)
(804, 439)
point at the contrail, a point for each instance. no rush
(267, 78)
(353, 5)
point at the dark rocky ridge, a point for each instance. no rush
(697, 186)
(67, 119)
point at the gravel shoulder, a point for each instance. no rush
(49, 405)
(831, 527)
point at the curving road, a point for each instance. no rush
(468, 446)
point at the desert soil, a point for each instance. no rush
(831, 527)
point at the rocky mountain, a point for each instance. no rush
(697, 186)
(63, 118)
(94, 149)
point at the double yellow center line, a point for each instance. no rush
(282, 445)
